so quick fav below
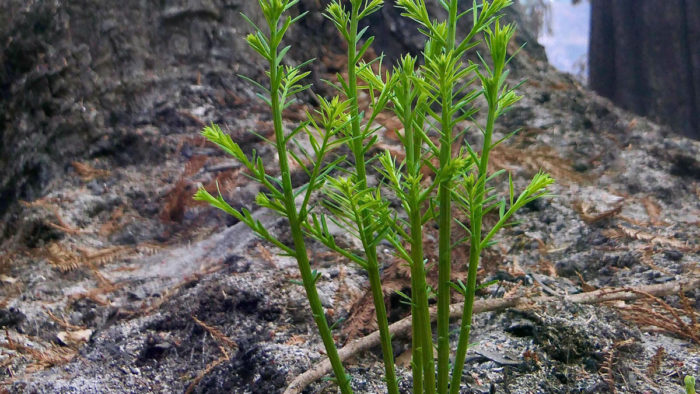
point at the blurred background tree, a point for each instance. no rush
(645, 56)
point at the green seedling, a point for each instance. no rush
(365, 210)
(284, 83)
(435, 95)
(689, 384)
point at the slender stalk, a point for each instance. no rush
(422, 338)
(416, 344)
(361, 177)
(444, 256)
(445, 218)
(474, 253)
(382, 321)
(297, 233)
(357, 141)
(452, 25)
(412, 149)
(444, 262)
(419, 292)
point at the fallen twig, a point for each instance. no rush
(403, 326)
(209, 368)
(222, 339)
(217, 334)
(657, 313)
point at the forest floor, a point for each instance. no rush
(117, 281)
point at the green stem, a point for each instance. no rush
(422, 341)
(357, 142)
(412, 148)
(468, 310)
(361, 173)
(417, 363)
(422, 330)
(444, 257)
(382, 321)
(452, 25)
(474, 253)
(445, 218)
(297, 233)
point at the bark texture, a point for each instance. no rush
(108, 81)
(645, 56)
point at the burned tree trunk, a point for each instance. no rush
(645, 56)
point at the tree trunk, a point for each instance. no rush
(645, 56)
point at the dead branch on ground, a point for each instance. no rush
(654, 314)
(222, 339)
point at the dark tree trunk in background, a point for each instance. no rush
(645, 56)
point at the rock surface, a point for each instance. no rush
(170, 289)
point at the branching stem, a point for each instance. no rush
(445, 216)
(301, 255)
(474, 254)
(367, 239)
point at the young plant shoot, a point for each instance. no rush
(433, 96)
(284, 83)
(369, 213)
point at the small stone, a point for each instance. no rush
(326, 301)
(11, 317)
(663, 279)
(522, 329)
(567, 268)
(629, 259)
(673, 254)
(561, 376)
(652, 275)
(580, 166)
